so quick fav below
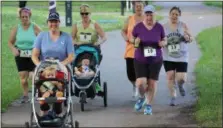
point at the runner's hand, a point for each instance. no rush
(186, 36)
(15, 52)
(131, 40)
(137, 40)
(162, 43)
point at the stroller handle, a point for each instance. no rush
(89, 45)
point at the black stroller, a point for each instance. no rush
(62, 76)
(86, 88)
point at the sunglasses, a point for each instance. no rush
(84, 14)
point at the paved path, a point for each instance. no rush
(119, 112)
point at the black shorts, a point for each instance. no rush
(150, 71)
(130, 69)
(175, 66)
(24, 64)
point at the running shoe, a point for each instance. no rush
(148, 109)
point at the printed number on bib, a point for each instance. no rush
(86, 37)
(148, 51)
(174, 48)
(25, 53)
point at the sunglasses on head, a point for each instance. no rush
(85, 14)
(25, 8)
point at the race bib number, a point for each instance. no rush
(86, 37)
(174, 48)
(148, 51)
(26, 53)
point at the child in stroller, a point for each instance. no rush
(87, 74)
(50, 88)
(84, 71)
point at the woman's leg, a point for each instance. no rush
(57, 107)
(23, 76)
(131, 75)
(181, 76)
(170, 71)
(141, 83)
(152, 78)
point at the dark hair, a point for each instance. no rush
(175, 8)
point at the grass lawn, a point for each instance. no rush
(97, 6)
(214, 3)
(10, 79)
(209, 78)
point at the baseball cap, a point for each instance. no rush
(149, 8)
(54, 16)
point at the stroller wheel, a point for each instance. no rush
(82, 100)
(105, 94)
(82, 106)
(76, 124)
(26, 124)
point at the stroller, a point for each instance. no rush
(62, 76)
(86, 88)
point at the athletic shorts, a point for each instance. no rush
(150, 71)
(175, 66)
(130, 69)
(24, 64)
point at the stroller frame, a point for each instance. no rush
(66, 98)
(96, 78)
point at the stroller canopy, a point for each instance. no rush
(87, 49)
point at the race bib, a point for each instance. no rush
(85, 37)
(26, 53)
(174, 48)
(148, 51)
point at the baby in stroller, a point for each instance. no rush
(84, 71)
(49, 88)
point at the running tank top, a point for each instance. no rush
(88, 35)
(176, 49)
(130, 49)
(25, 38)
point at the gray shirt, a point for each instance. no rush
(176, 49)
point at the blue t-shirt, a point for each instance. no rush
(58, 49)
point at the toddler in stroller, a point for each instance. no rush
(87, 74)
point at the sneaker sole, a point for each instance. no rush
(148, 113)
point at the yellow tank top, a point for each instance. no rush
(88, 35)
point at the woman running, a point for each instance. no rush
(175, 55)
(149, 39)
(127, 35)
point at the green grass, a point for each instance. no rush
(11, 88)
(209, 78)
(99, 6)
(213, 3)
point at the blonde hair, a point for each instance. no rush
(50, 69)
(85, 8)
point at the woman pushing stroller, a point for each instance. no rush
(87, 31)
(53, 44)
